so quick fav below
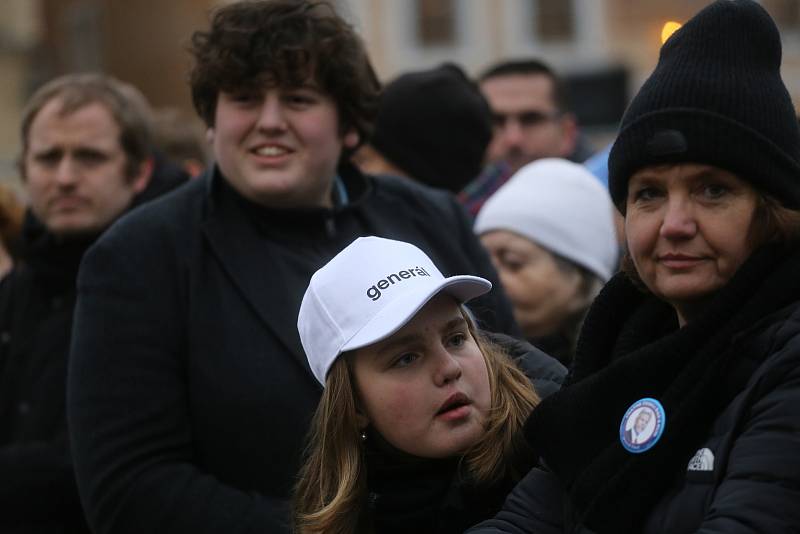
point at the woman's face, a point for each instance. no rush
(687, 229)
(542, 294)
(425, 388)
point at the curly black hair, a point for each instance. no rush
(255, 43)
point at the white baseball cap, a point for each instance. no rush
(368, 292)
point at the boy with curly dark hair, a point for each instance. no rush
(189, 392)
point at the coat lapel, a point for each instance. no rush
(234, 240)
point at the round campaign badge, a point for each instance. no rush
(642, 425)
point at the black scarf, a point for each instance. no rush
(423, 495)
(405, 492)
(631, 348)
(46, 273)
(53, 261)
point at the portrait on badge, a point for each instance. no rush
(641, 430)
(642, 425)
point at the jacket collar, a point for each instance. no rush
(235, 227)
(310, 224)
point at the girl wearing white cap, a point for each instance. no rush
(419, 425)
(550, 233)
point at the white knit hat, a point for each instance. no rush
(368, 292)
(560, 206)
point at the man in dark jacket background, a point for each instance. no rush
(189, 394)
(85, 158)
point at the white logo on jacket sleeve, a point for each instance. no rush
(703, 460)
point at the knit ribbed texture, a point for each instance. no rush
(560, 206)
(715, 97)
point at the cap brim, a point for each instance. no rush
(400, 311)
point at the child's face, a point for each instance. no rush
(279, 146)
(426, 388)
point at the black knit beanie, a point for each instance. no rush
(716, 97)
(435, 126)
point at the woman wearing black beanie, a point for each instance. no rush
(682, 409)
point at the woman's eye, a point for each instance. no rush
(714, 191)
(405, 360)
(511, 264)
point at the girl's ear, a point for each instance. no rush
(361, 420)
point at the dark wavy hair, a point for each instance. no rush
(255, 43)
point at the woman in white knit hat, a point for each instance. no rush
(550, 233)
(419, 425)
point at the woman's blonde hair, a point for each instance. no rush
(331, 493)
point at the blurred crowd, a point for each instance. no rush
(327, 304)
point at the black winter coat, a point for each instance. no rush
(37, 488)
(729, 458)
(189, 394)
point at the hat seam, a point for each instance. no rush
(331, 321)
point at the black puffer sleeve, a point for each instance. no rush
(533, 507)
(545, 372)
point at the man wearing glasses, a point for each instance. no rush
(531, 118)
(531, 121)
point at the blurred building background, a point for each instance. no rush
(605, 48)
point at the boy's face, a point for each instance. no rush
(279, 146)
